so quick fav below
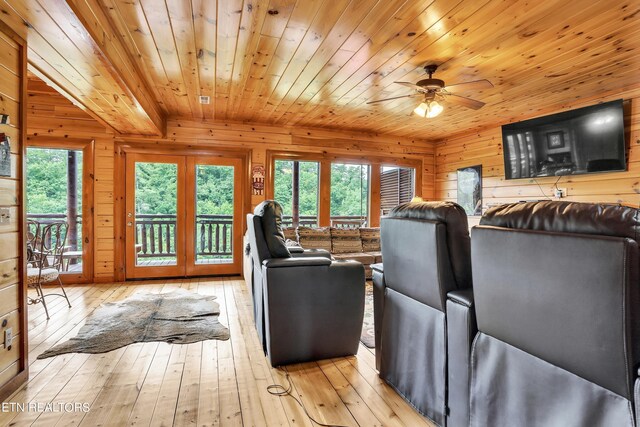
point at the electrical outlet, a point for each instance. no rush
(5, 215)
(559, 193)
(8, 337)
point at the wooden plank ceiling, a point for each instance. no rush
(315, 63)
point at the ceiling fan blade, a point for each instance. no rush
(411, 85)
(465, 102)
(474, 85)
(390, 99)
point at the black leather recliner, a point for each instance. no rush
(425, 247)
(557, 299)
(306, 306)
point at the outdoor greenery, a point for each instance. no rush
(349, 188)
(156, 189)
(47, 180)
(309, 179)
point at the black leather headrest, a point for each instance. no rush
(455, 219)
(567, 217)
(447, 212)
(270, 213)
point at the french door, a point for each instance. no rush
(183, 215)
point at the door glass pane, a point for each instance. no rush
(214, 214)
(156, 201)
(54, 193)
(349, 195)
(306, 191)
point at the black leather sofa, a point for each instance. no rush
(306, 306)
(425, 247)
(557, 302)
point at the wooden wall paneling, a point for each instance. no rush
(485, 147)
(34, 58)
(374, 195)
(119, 219)
(324, 201)
(13, 296)
(105, 181)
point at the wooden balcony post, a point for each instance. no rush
(324, 208)
(72, 200)
(374, 195)
(295, 197)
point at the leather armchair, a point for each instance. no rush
(306, 307)
(425, 247)
(557, 301)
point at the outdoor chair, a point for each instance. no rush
(46, 262)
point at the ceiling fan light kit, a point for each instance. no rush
(431, 88)
(428, 109)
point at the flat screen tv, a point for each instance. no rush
(586, 140)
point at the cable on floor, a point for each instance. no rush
(282, 391)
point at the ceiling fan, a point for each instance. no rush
(434, 91)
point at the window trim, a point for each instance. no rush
(325, 159)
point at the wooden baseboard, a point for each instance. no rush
(9, 388)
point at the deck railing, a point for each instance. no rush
(341, 221)
(50, 218)
(156, 238)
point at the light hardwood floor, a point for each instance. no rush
(211, 383)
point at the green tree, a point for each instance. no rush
(47, 180)
(349, 188)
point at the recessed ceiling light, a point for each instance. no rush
(204, 99)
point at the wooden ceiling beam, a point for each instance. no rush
(74, 47)
(126, 73)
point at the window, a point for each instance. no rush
(54, 194)
(349, 194)
(397, 185)
(296, 186)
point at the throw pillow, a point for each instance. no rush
(314, 238)
(370, 239)
(345, 240)
(290, 233)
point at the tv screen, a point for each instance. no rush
(585, 140)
